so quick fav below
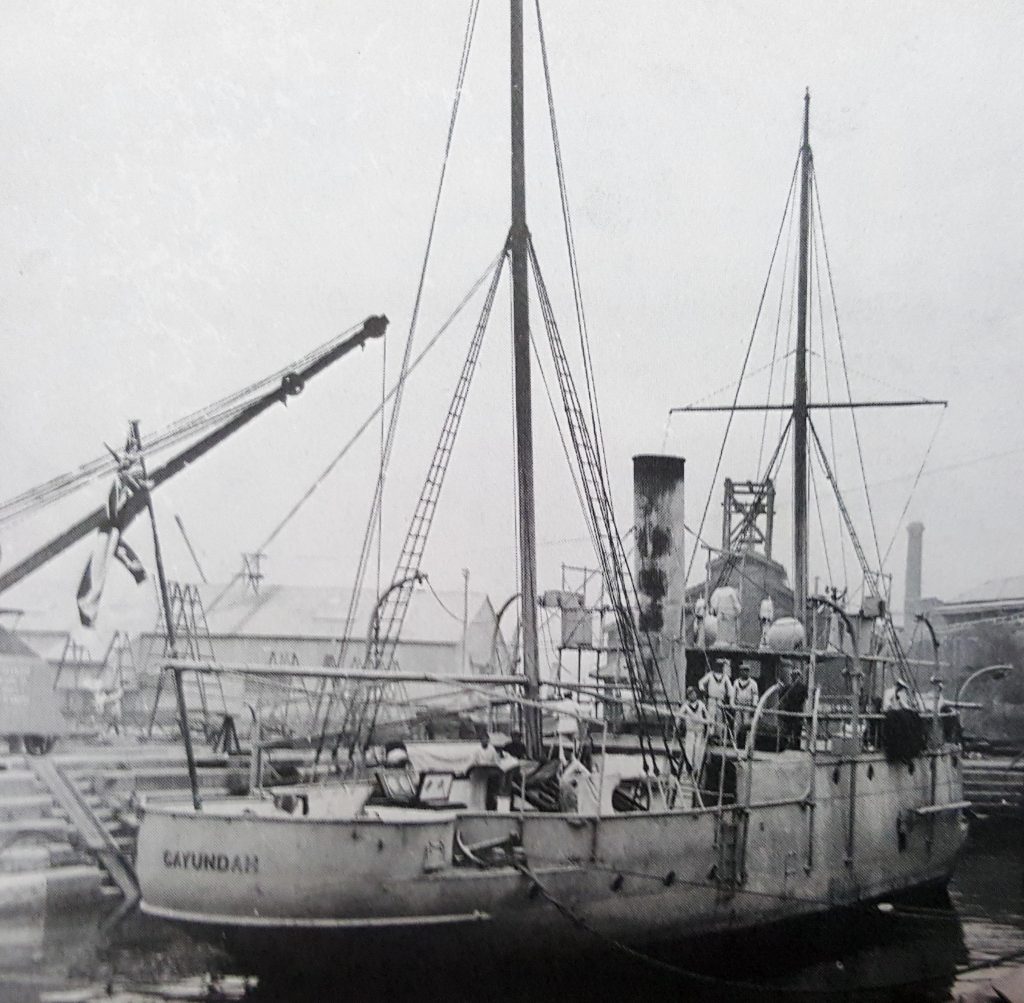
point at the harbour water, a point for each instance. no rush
(933, 951)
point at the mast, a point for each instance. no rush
(800, 381)
(519, 242)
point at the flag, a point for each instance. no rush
(109, 544)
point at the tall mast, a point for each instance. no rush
(800, 381)
(524, 424)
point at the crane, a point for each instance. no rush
(291, 384)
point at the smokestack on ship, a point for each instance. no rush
(660, 561)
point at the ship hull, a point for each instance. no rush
(823, 836)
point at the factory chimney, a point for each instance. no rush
(912, 589)
(660, 565)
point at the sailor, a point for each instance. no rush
(899, 697)
(726, 607)
(717, 690)
(699, 612)
(485, 754)
(488, 757)
(694, 717)
(745, 696)
(791, 705)
(765, 614)
(567, 726)
(516, 747)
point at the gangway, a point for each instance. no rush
(94, 834)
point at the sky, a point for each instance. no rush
(192, 195)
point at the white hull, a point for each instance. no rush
(637, 877)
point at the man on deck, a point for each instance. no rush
(791, 706)
(717, 690)
(745, 696)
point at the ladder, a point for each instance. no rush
(192, 641)
(390, 615)
(729, 867)
(637, 645)
(94, 834)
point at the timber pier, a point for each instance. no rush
(68, 820)
(995, 785)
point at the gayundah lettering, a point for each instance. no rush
(193, 860)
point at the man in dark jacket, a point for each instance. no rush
(791, 703)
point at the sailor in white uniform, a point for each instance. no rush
(745, 695)
(717, 689)
(694, 716)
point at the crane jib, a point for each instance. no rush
(291, 384)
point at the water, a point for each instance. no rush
(915, 953)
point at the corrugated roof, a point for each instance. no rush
(995, 589)
(277, 611)
(317, 611)
(12, 645)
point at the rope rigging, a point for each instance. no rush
(364, 554)
(642, 664)
(831, 423)
(746, 360)
(390, 613)
(212, 415)
(368, 421)
(876, 576)
(732, 562)
(775, 343)
(570, 243)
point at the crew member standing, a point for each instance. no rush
(745, 695)
(567, 726)
(791, 704)
(694, 716)
(717, 690)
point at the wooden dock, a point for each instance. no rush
(995, 785)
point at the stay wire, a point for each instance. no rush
(731, 563)
(821, 524)
(831, 419)
(913, 487)
(790, 327)
(216, 413)
(775, 341)
(340, 455)
(396, 406)
(403, 372)
(602, 517)
(570, 241)
(846, 371)
(746, 359)
(441, 602)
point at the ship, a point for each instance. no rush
(814, 799)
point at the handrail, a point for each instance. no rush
(329, 672)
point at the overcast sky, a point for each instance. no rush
(191, 195)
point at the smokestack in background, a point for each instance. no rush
(912, 589)
(660, 562)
